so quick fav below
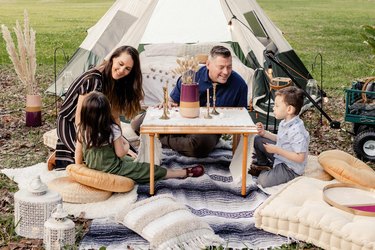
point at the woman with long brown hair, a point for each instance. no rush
(119, 79)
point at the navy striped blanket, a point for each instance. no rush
(213, 197)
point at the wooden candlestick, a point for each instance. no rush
(214, 111)
(165, 105)
(208, 116)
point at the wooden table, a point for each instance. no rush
(236, 121)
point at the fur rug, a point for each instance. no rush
(102, 209)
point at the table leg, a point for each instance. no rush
(244, 164)
(152, 165)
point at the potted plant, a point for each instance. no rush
(189, 96)
(24, 61)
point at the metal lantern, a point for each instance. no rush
(58, 230)
(32, 207)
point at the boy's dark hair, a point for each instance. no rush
(292, 96)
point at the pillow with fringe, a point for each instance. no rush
(168, 224)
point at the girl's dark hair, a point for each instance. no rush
(292, 96)
(126, 93)
(94, 128)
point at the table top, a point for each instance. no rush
(229, 121)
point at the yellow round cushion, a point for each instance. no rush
(74, 192)
(347, 168)
(100, 180)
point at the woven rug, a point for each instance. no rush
(213, 197)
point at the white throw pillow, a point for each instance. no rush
(167, 224)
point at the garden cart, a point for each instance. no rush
(360, 110)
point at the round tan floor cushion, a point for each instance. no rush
(347, 168)
(100, 180)
(74, 192)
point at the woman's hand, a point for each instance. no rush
(171, 104)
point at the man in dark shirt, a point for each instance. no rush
(231, 91)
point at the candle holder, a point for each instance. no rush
(167, 96)
(165, 105)
(59, 230)
(214, 111)
(208, 116)
(32, 207)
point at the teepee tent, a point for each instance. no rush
(166, 29)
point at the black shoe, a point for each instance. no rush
(255, 162)
(255, 170)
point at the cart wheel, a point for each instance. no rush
(358, 128)
(364, 145)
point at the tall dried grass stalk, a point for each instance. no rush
(187, 68)
(23, 59)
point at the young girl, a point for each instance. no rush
(101, 146)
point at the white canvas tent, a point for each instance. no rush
(181, 27)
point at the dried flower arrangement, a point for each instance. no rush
(187, 67)
(23, 59)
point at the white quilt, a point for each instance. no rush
(299, 211)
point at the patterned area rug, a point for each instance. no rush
(213, 197)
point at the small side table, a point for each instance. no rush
(236, 121)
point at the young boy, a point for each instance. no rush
(284, 153)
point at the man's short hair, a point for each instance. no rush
(292, 96)
(219, 50)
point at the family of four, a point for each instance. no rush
(89, 131)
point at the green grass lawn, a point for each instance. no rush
(328, 27)
(331, 28)
(58, 23)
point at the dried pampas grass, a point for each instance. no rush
(187, 67)
(23, 59)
